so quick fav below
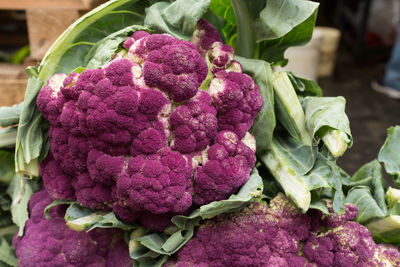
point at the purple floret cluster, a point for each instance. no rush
(280, 235)
(161, 128)
(49, 243)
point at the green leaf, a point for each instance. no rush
(184, 14)
(281, 16)
(372, 172)
(326, 119)
(55, 203)
(292, 183)
(300, 156)
(317, 203)
(177, 19)
(30, 136)
(7, 254)
(80, 218)
(273, 50)
(245, 43)
(149, 247)
(300, 170)
(7, 168)
(223, 8)
(264, 124)
(20, 191)
(264, 29)
(102, 52)
(386, 230)
(304, 87)
(10, 115)
(368, 209)
(389, 154)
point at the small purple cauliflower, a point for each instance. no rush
(160, 128)
(51, 243)
(280, 235)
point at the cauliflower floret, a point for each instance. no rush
(239, 239)
(52, 243)
(225, 168)
(138, 136)
(237, 100)
(259, 235)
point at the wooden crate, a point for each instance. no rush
(13, 80)
(47, 19)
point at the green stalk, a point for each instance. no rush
(292, 183)
(289, 110)
(336, 141)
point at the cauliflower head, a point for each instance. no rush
(160, 128)
(52, 243)
(280, 235)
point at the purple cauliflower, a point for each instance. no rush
(160, 128)
(51, 243)
(280, 235)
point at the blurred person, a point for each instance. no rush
(390, 84)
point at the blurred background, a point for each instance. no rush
(350, 48)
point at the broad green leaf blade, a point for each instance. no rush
(7, 167)
(389, 154)
(337, 187)
(386, 230)
(279, 17)
(264, 124)
(224, 11)
(10, 115)
(20, 191)
(177, 19)
(273, 50)
(326, 119)
(289, 111)
(300, 156)
(223, 8)
(184, 14)
(368, 209)
(372, 172)
(245, 43)
(7, 254)
(321, 175)
(264, 29)
(317, 203)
